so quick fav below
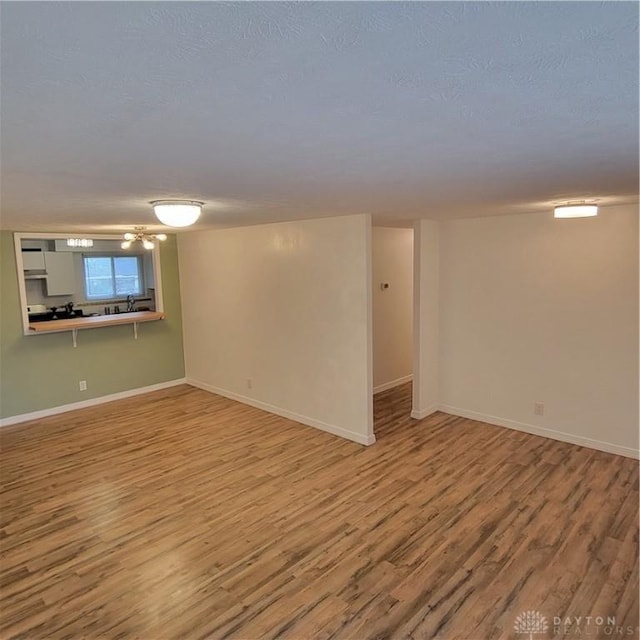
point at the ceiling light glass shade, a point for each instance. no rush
(576, 211)
(177, 213)
(127, 243)
(161, 236)
(129, 236)
(147, 244)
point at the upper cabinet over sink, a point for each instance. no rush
(67, 288)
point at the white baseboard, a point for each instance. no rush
(285, 413)
(423, 413)
(392, 383)
(44, 413)
(542, 431)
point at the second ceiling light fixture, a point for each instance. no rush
(147, 239)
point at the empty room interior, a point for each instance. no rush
(319, 320)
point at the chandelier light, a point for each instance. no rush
(177, 213)
(576, 211)
(146, 239)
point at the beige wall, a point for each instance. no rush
(392, 263)
(286, 306)
(534, 309)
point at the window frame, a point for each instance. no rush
(115, 296)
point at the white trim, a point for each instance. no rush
(392, 383)
(44, 413)
(544, 432)
(423, 413)
(368, 287)
(22, 287)
(285, 413)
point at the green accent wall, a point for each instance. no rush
(43, 371)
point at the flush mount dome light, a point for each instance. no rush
(576, 211)
(177, 213)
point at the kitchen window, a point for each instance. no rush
(109, 277)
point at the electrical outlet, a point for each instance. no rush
(538, 408)
(249, 383)
(83, 385)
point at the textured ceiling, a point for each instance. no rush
(275, 111)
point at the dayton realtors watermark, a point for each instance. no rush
(532, 624)
(591, 626)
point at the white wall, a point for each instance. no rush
(426, 319)
(537, 309)
(392, 263)
(286, 305)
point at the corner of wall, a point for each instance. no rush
(426, 302)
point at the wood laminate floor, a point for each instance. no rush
(181, 514)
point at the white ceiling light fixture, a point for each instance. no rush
(177, 213)
(147, 239)
(576, 211)
(79, 242)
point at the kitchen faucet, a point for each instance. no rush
(130, 303)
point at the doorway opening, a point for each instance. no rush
(392, 327)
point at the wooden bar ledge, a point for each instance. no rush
(93, 322)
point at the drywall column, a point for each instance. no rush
(425, 317)
(278, 316)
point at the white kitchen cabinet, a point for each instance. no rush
(60, 279)
(32, 260)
